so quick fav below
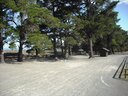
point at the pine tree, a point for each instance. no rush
(3, 25)
(30, 16)
(92, 11)
(62, 9)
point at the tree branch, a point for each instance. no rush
(13, 22)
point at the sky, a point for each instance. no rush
(122, 8)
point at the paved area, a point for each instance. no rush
(79, 76)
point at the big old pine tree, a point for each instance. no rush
(3, 25)
(29, 13)
(91, 11)
(61, 9)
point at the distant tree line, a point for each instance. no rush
(63, 24)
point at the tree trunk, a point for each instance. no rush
(66, 54)
(62, 48)
(2, 57)
(1, 49)
(54, 45)
(91, 48)
(62, 51)
(20, 54)
(37, 52)
(21, 40)
(113, 52)
(109, 40)
(70, 50)
(54, 30)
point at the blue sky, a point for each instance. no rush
(122, 8)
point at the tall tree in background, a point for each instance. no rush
(92, 11)
(39, 43)
(106, 30)
(3, 26)
(62, 9)
(18, 7)
(30, 15)
(2, 14)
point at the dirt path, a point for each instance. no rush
(79, 76)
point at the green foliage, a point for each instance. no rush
(73, 20)
(11, 4)
(12, 45)
(42, 16)
(79, 23)
(2, 25)
(39, 41)
(71, 41)
(18, 5)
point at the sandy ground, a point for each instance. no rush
(78, 76)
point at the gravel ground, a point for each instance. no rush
(78, 76)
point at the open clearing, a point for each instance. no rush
(78, 76)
